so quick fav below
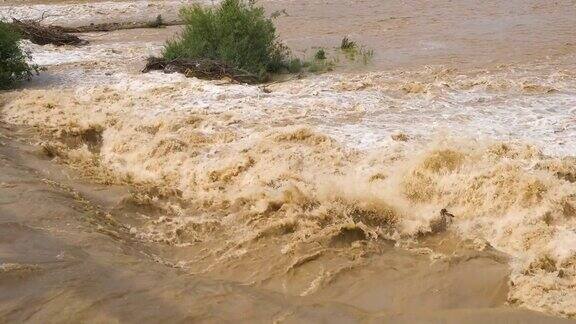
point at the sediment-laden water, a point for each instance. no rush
(303, 186)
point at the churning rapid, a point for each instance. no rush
(247, 166)
(292, 185)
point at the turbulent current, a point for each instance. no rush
(267, 179)
(318, 162)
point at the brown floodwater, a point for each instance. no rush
(130, 197)
(401, 33)
(66, 258)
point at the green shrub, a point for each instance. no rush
(13, 66)
(236, 33)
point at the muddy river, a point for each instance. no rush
(436, 183)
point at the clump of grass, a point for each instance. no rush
(295, 65)
(13, 65)
(320, 66)
(354, 52)
(347, 44)
(236, 33)
(366, 55)
(320, 54)
(319, 63)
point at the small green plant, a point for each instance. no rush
(235, 33)
(347, 44)
(320, 54)
(13, 65)
(319, 63)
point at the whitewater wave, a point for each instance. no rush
(230, 166)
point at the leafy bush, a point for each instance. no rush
(236, 33)
(13, 66)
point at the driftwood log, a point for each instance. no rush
(42, 35)
(200, 68)
(106, 27)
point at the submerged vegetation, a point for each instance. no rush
(347, 44)
(354, 52)
(13, 65)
